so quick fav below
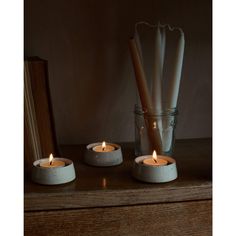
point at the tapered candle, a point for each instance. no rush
(157, 70)
(157, 75)
(163, 48)
(173, 90)
(140, 76)
(138, 43)
(144, 143)
(154, 135)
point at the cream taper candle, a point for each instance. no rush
(154, 135)
(138, 43)
(157, 75)
(156, 85)
(140, 76)
(163, 49)
(173, 90)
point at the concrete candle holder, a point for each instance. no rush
(155, 174)
(111, 158)
(53, 176)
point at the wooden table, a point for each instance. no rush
(109, 201)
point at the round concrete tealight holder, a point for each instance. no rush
(155, 174)
(96, 157)
(55, 175)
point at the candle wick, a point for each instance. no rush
(155, 160)
(103, 148)
(50, 163)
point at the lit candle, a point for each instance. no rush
(103, 148)
(52, 163)
(154, 160)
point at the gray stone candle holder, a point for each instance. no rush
(104, 159)
(154, 174)
(53, 176)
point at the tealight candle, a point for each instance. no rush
(154, 160)
(102, 154)
(104, 148)
(53, 171)
(52, 163)
(162, 171)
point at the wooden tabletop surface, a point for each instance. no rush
(115, 186)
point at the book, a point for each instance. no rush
(39, 130)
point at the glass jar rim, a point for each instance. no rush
(164, 112)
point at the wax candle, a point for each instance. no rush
(138, 43)
(154, 135)
(144, 142)
(173, 90)
(104, 148)
(163, 48)
(152, 172)
(154, 160)
(102, 154)
(52, 163)
(157, 73)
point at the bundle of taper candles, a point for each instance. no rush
(151, 101)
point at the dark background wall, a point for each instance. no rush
(91, 76)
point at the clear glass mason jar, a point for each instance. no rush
(164, 123)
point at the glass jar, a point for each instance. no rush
(164, 124)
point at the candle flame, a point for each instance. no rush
(103, 145)
(154, 156)
(50, 159)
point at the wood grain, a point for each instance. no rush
(114, 186)
(32, 147)
(28, 149)
(38, 70)
(185, 218)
